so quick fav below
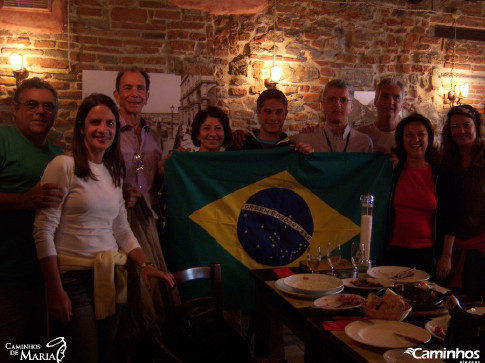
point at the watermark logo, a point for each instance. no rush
(464, 356)
(61, 345)
(32, 352)
(410, 351)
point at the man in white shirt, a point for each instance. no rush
(337, 135)
(389, 102)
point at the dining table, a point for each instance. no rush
(314, 326)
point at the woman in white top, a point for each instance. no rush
(81, 244)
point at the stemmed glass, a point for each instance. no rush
(333, 256)
(356, 254)
(314, 257)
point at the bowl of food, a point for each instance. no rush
(388, 307)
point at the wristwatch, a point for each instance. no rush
(148, 263)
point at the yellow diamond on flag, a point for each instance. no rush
(264, 226)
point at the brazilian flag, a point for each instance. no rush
(261, 208)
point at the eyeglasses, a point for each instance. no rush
(33, 105)
(342, 100)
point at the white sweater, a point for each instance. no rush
(91, 218)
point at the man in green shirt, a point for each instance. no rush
(24, 154)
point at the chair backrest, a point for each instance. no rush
(212, 273)
(195, 329)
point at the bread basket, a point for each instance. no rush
(387, 315)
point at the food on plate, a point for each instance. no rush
(390, 302)
(419, 294)
(423, 285)
(439, 331)
(363, 282)
(352, 300)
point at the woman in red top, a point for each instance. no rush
(413, 201)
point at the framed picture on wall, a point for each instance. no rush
(172, 104)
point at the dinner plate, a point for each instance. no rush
(380, 333)
(400, 356)
(334, 302)
(387, 273)
(313, 283)
(280, 285)
(441, 322)
(385, 283)
(479, 310)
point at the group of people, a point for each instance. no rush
(73, 219)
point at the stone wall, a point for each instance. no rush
(315, 41)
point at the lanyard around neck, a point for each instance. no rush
(330, 145)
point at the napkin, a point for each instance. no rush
(336, 324)
(283, 272)
(339, 322)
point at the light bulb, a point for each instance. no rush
(464, 90)
(16, 61)
(276, 73)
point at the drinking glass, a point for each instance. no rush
(333, 256)
(314, 257)
(356, 254)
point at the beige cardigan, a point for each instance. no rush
(107, 290)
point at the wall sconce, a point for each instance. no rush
(453, 96)
(275, 73)
(19, 72)
(462, 93)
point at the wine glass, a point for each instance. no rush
(333, 256)
(314, 257)
(356, 254)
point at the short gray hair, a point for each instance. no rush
(392, 81)
(34, 83)
(337, 83)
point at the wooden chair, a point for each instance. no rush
(195, 329)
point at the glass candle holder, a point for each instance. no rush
(367, 208)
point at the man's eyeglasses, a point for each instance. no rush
(33, 105)
(342, 100)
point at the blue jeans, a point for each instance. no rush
(23, 317)
(88, 340)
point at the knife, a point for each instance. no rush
(399, 274)
(410, 339)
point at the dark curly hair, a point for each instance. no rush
(449, 150)
(200, 118)
(400, 151)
